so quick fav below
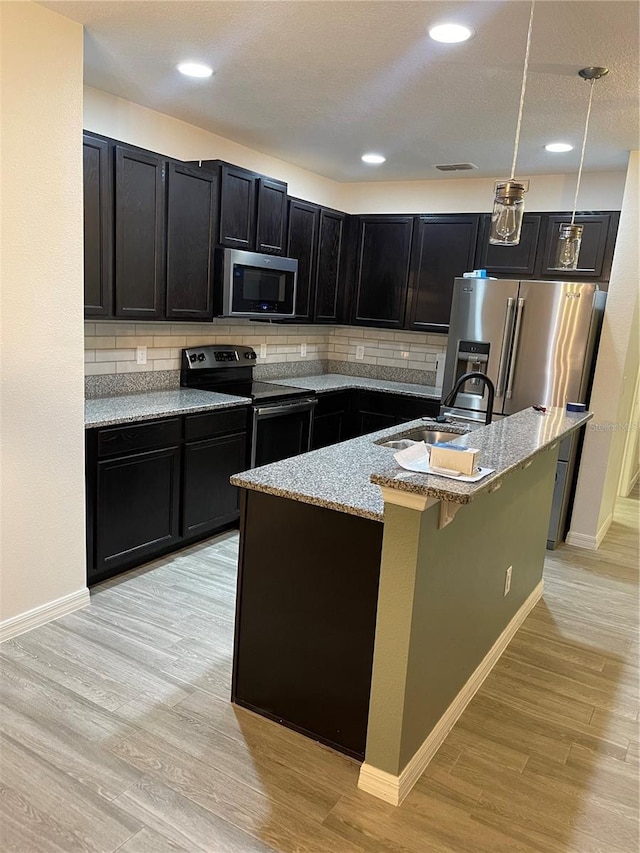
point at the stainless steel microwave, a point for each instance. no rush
(258, 285)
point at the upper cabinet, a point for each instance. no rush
(271, 227)
(511, 261)
(191, 216)
(238, 194)
(98, 226)
(596, 249)
(329, 266)
(382, 270)
(140, 234)
(253, 209)
(302, 240)
(444, 248)
(149, 225)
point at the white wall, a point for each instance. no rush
(41, 342)
(614, 381)
(137, 125)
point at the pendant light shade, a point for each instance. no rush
(508, 203)
(570, 235)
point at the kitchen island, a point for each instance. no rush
(373, 601)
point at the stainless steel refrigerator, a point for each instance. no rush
(536, 340)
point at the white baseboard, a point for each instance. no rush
(590, 543)
(393, 789)
(43, 614)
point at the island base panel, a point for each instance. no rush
(305, 617)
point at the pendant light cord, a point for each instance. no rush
(584, 145)
(524, 87)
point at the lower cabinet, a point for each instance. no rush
(341, 415)
(137, 506)
(208, 500)
(153, 486)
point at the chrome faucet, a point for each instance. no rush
(449, 400)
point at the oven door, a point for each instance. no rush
(281, 430)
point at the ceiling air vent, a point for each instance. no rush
(455, 167)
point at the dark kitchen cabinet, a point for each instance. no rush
(382, 270)
(374, 410)
(137, 507)
(98, 226)
(511, 261)
(332, 419)
(215, 449)
(191, 216)
(139, 234)
(444, 248)
(328, 266)
(596, 250)
(271, 227)
(153, 486)
(238, 194)
(302, 240)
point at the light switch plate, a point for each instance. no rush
(303, 350)
(263, 350)
(141, 355)
(360, 353)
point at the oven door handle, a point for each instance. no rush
(286, 408)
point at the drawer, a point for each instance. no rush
(215, 423)
(138, 436)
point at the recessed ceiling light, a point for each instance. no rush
(450, 33)
(195, 69)
(373, 159)
(558, 147)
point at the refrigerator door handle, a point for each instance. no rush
(514, 347)
(504, 352)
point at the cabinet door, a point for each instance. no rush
(140, 228)
(328, 266)
(191, 212)
(331, 419)
(237, 208)
(511, 261)
(271, 229)
(444, 248)
(98, 227)
(382, 272)
(137, 506)
(302, 237)
(592, 258)
(209, 499)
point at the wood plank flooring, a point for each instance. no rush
(117, 732)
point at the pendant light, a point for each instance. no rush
(570, 236)
(508, 204)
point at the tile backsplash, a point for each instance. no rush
(111, 367)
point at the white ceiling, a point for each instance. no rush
(319, 83)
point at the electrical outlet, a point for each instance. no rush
(263, 350)
(303, 350)
(507, 580)
(141, 355)
(404, 355)
(360, 353)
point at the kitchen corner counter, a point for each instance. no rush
(346, 477)
(110, 411)
(325, 382)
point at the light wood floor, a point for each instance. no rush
(117, 733)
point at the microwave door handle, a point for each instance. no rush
(504, 351)
(514, 349)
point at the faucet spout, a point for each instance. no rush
(450, 399)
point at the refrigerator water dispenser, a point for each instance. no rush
(472, 357)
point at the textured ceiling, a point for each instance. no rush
(319, 83)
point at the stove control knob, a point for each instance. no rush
(193, 357)
(201, 357)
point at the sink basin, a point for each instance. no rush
(430, 436)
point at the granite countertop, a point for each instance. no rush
(338, 382)
(346, 476)
(109, 411)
